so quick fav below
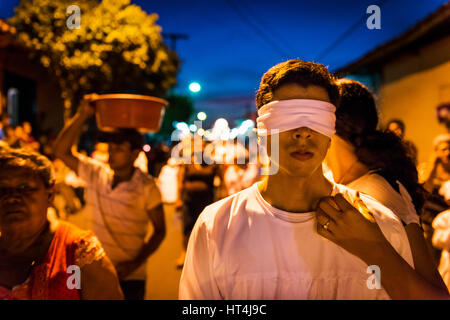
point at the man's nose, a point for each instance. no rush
(301, 133)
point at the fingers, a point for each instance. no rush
(324, 222)
(321, 217)
(343, 204)
(326, 232)
(328, 205)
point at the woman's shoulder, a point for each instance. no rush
(375, 184)
(70, 232)
(85, 246)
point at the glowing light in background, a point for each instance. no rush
(182, 126)
(195, 87)
(234, 133)
(147, 148)
(221, 124)
(201, 116)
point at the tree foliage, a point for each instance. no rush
(118, 47)
(180, 109)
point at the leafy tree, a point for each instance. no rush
(118, 47)
(180, 109)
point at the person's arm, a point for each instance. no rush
(99, 281)
(62, 146)
(423, 262)
(351, 231)
(156, 216)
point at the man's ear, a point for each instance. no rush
(51, 195)
(135, 153)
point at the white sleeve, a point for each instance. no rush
(441, 235)
(89, 169)
(410, 214)
(197, 279)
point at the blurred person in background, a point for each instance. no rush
(28, 136)
(66, 200)
(196, 190)
(36, 251)
(441, 235)
(238, 174)
(433, 175)
(10, 137)
(121, 198)
(397, 126)
(100, 152)
(168, 181)
(157, 158)
(437, 170)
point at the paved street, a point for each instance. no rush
(162, 275)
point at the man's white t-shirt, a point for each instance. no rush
(124, 208)
(243, 248)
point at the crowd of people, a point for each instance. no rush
(345, 195)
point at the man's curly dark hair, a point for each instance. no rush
(303, 73)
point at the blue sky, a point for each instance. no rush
(233, 42)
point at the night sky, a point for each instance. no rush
(233, 42)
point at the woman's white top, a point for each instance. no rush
(378, 188)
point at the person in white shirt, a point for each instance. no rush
(266, 242)
(120, 198)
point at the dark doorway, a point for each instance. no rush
(25, 97)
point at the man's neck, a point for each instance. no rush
(295, 194)
(123, 174)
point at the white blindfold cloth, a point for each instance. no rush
(285, 115)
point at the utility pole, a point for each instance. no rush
(174, 37)
(173, 44)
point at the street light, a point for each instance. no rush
(195, 87)
(201, 116)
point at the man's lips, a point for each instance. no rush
(302, 155)
(12, 210)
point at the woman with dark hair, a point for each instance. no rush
(376, 163)
(196, 191)
(360, 153)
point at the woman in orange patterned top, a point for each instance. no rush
(43, 259)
